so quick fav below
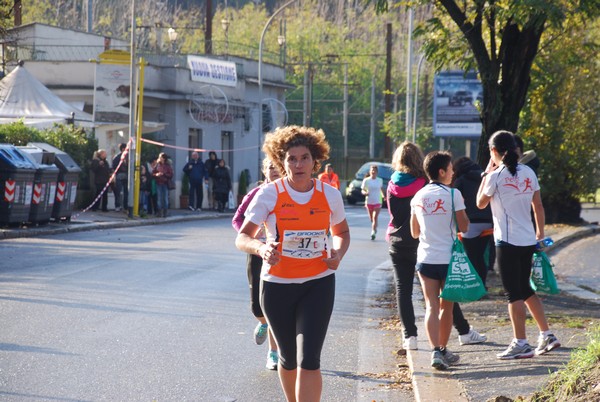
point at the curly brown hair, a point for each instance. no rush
(282, 139)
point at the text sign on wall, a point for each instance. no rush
(112, 88)
(212, 71)
(454, 111)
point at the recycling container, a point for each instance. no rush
(44, 184)
(66, 185)
(16, 184)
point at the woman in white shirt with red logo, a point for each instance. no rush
(512, 189)
(298, 287)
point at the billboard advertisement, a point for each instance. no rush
(454, 111)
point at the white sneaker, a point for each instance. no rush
(471, 338)
(410, 343)
(272, 360)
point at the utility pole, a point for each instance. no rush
(387, 147)
(208, 32)
(132, 111)
(345, 120)
(308, 77)
(372, 134)
(409, 72)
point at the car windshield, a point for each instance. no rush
(384, 171)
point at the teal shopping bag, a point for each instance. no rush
(542, 276)
(463, 283)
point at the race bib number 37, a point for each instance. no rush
(304, 244)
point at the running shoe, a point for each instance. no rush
(272, 360)
(546, 344)
(373, 233)
(260, 333)
(437, 360)
(410, 343)
(450, 357)
(514, 351)
(471, 338)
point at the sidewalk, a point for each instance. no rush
(479, 375)
(92, 220)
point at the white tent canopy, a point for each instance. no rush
(22, 96)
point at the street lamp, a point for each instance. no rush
(260, 82)
(173, 38)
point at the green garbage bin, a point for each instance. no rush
(16, 183)
(66, 185)
(44, 184)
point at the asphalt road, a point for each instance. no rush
(161, 313)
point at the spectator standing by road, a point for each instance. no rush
(162, 173)
(211, 165)
(221, 185)
(298, 289)
(254, 265)
(198, 176)
(433, 223)
(330, 177)
(371, 188)
(512, 189)
(102, 173)
(121, 189)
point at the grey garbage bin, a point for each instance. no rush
(66, 185)
(16, 184)
(44, 184)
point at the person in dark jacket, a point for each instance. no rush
(198, 175)
(102, 173)
(478, 239)
(211, 164)
(221, 185)
(121, 189)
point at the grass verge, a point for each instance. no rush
(579, 380)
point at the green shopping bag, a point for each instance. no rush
(463, 284)
(542, 276)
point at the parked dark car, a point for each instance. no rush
(353, 192)
(460, 98)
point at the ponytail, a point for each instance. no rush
(510, 160)
(505, 144)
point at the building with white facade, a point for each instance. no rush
(180, 111)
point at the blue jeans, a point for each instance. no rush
(162, 192)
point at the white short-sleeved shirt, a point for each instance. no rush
(263, 203)
(511, 204)
(373, 187)
(432, 206)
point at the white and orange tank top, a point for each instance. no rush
(301, 230)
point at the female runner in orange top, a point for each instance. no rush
(298, 262)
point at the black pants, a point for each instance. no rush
(254, 265)
(514, 264)
(103, 199)
(475, 249)
(403, 261)
(298, 315)
(196, 195)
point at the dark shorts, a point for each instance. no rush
(433, 271)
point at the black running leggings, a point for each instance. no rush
(298, 315)
(514, 264)
(254, 265)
